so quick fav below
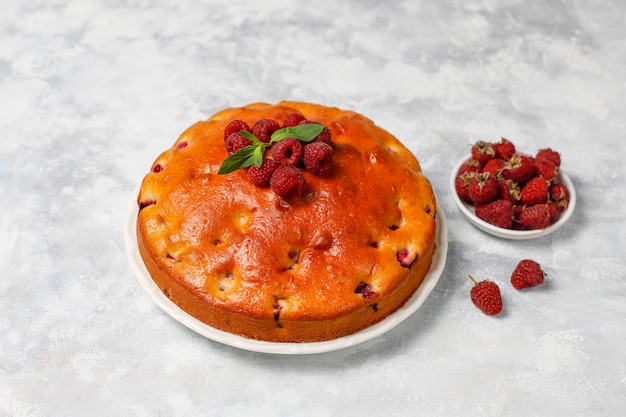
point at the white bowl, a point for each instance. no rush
(468, 211)
(155, 293)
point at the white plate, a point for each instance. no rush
(468, 211)
(140, 271)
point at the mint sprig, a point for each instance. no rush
(243, 158)
(305, 133)
(253, 154)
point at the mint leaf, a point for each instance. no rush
(243, 158)
(250, 137)
(305, 133)
(257, 155)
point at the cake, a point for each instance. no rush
(345, 252)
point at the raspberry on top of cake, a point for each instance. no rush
(325, 228)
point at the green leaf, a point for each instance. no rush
(305, 133)
(243, 158)
(250, 137)
(257, 155)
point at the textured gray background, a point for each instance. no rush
(91, 92)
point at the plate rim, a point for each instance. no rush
(285, 348)
(468, 213)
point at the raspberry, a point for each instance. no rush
(518, 209)
(366, 290)
(235, 142)
(278, 307)
(553, 211)
(235, 126)
(509, 190)
(287, 151)
(504, 149)
(486, 296)
(260, 176)
(146, 203)
(483, 188)
(520, 168)
(461, 184)
(483, 151)
(549, 155)
(264, 128)
(560, 195)
(287, 181)
(534, 192)
(498, 213)
(538, 216)
(324, 135)
(406, 257)
(546, 169)
(558, 192)
(528, 273)
(318, 157)
(292, 119)
(494, 166)
(471, 165)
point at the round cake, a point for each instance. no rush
(346, 250)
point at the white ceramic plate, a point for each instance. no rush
(140, 271)
(468, 211)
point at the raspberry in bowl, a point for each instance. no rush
(533, 196)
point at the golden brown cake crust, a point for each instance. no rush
(246, 261)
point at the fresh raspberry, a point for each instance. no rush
(235, 142)
(483, 151)
(264, 128)
(498, 213)
(318, 157)
(287, 181)
(483, 188)
(518, 209)
(235, 126)
(486, 296)
(504, 149)
(471, 165)
(324, 136)
(558, 192)
(519, 168)
(287, 151)
(508, 190)
(494, 166)
(292, 119)
(461, 184)
(527, 273)
(260, 176)
(550, 155)
(560, 195)
(546, 169)
(553, 211)
(538, 216)
(534, 192)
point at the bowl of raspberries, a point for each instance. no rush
(512, 194)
